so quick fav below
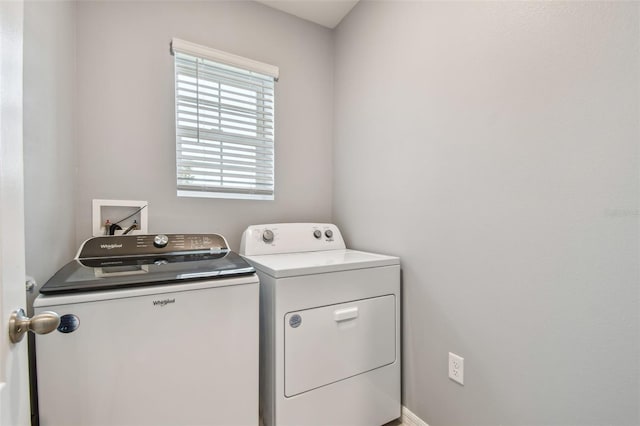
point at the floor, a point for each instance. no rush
(397, 422)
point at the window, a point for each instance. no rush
(224, 124)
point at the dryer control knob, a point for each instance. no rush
(317, 233)
(328, 233)
(160, 241)
(267, 236)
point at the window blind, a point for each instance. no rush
(224, 127)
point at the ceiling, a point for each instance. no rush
(327, 13)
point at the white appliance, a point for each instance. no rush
(154, 330)
(330, 327)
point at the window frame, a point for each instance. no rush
(224, 124)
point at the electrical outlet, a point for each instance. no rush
(456, 368)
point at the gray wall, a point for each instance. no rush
(49, 146)
(125, 118)
(49, 151)
(494, 147)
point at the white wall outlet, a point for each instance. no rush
(456, 368)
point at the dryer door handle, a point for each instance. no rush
(345, 314)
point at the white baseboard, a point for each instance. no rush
(410, 419)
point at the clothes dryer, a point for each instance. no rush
(330, 327)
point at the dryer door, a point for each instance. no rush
(331, 343)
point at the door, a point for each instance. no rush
(14, 383)
(331, 343)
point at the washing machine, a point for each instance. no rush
(154, 330)
(330, 327)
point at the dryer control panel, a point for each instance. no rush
(276, 238)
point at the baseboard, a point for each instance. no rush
(410, 419)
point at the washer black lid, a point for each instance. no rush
(108, 263)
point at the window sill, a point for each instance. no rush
(227, 195)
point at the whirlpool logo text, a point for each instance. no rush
(110, 246)
(163, 303)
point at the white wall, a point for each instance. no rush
(125, 118)
(494, 147)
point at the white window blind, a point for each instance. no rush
(224, 124)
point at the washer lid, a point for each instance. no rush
(83, 275)
(317, 262)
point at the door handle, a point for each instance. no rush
(345, 314)
(42, 323)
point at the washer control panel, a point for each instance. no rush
(148, 245)
(278, 238)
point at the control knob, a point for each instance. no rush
(267, 236)
(317, 234)
(328, 233)
(160, 241)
